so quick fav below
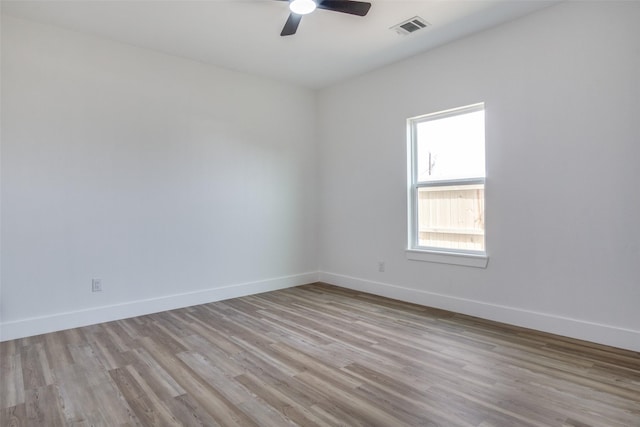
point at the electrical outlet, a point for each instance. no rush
(381, 266)
(96, 285)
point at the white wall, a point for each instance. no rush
(562, 94)
(170, 180)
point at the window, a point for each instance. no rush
(446, 191)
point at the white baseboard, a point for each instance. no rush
(589, 331)
(60, 321)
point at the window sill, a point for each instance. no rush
(453, 258)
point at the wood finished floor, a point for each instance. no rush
(315, 355)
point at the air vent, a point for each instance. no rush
(410, 25)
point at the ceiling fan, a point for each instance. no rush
(304, 7)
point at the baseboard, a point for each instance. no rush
(584, 330)
(60, 321)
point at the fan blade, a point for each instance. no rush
(359, 8)
(291, 26)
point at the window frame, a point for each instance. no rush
(414, 251)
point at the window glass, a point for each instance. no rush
(447, 180)
(451, 147)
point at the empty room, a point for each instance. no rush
(320, 213)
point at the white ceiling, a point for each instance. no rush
(244, 35)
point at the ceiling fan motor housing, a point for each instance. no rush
(302, 7)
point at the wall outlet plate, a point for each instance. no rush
(96, 285)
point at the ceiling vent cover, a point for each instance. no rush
(410, 25)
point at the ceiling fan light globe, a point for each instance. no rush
(302, 7)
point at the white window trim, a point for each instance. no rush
(478, 259)
(466, 259)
